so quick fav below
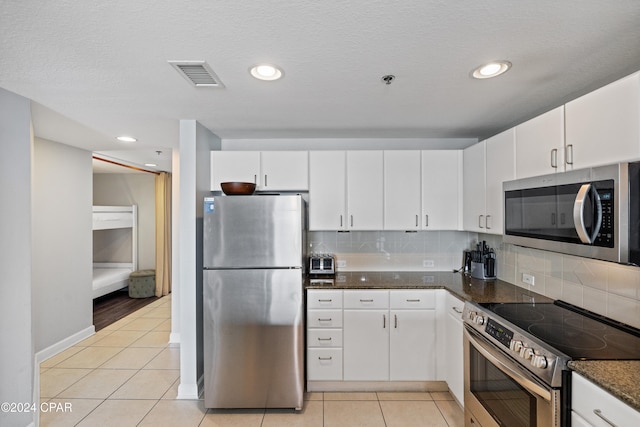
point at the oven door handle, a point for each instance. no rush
(578, 213)
(503, 365)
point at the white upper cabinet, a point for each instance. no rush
(441, 190)
(327, 190)
(284, 170)
(603, 126)
(269, 170)
(501, 158)
(474, 187)
(240, 166)
(486, 166)
(364, 190)
(402, 190)
(540, 145)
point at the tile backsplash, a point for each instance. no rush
(606, 288)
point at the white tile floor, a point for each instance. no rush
(127, 375)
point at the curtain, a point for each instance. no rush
(163, 234)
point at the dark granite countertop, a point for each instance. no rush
(462, 286)
(621, 378)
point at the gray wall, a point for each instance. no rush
(62, 272)
(131, 189)
(16, 351)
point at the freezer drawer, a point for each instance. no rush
(253, 338)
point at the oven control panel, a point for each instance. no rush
(499, 332)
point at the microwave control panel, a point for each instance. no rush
(605, 236)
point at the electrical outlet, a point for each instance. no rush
(529, 279)
(342, 263)
(428, 263)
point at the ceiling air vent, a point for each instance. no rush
(198, 73)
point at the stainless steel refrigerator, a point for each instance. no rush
(254, 251)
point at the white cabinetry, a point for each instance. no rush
(486, 166)
(441, 190)
(345, 190)
(603, 126)
(269, 170)
(454, 362)
(324, 335)
(593, 406)
(540, 145)
(402, 190)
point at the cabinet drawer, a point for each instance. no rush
(593, 403)
(413, 299)
(324, 364)
(324, 338)
(454, 307)
(324, 299)
(366, 299)
(324, 318)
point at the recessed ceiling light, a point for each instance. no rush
(125, 138)
(266, 72)
(492, 69)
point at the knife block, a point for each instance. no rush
(480, 270)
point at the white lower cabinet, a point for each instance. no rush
(324, 335)
(592, 406)
(412, 345)
(366, 345)
(453, 346)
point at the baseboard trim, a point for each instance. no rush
(347, 386)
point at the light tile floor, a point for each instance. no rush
(127, 375)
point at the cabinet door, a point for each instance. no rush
(474, 187)
(603, 126)
(364, 190)
(412, 345)
(500, 167)
(366, 345)
(454, 374)
(402, 190)
(284, 170)
(540, 145)
(327, 190)
(242, 166)
(441, 190)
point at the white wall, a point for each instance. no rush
(132, 189)
(16, 350)
(62, 223)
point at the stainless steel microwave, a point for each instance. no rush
(591, 213)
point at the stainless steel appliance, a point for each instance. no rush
(592, 213)
(516, 357)
(254, 263)
(322, 264)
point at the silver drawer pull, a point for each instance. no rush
(324, 300)
(413, 300)
(456, 309)
(325, 358)
(324, 320)
(366, 300)
(324, 339)
(598, 412)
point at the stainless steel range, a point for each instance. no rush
(516, 358)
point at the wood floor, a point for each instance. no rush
(114, 306)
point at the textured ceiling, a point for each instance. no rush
(99, 69)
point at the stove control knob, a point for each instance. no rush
(472, 314)
(478, 320)
(526, 353)
(515, 345)
(539, 361)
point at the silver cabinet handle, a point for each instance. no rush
(416, 220)
(366, 300)
(413, 300)
(265, 179)
(352, 220)
(554, 158)
(324, 300)
(426, 220)
(255, 179)
(340, 221)
(325, 358)
(456, 309)
(384, 321)
(598, 412)
(480, 221)
(486, 222)
(395, 321)
(324, 339)
(568, 149)
(324, 320)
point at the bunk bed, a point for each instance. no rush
(108, 275)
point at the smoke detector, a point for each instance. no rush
(198, 73)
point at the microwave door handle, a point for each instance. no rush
(578, 214)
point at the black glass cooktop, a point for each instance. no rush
(577, 333)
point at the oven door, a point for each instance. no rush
(499, 392)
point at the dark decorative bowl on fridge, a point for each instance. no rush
(238, 188)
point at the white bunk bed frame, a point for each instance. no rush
(112, 276)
